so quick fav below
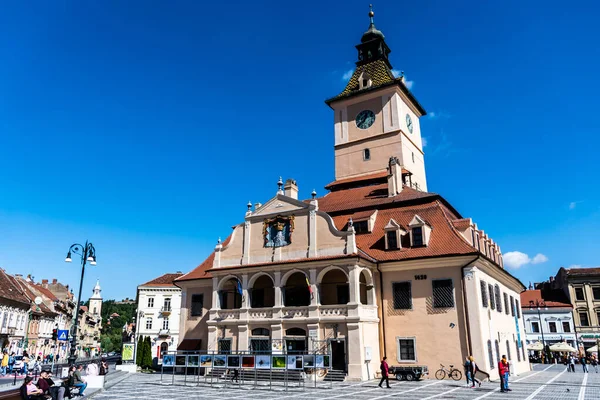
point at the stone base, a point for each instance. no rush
(131, 368)
(95, 382)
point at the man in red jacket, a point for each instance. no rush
(503, 371)
(385, 370)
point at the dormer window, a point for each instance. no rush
(365, 81)
(393, 235)
(417, 236)
(420, 232)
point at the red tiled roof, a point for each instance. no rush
(444, 240)
(462, 224)
(582, 271)
(533, 295)
(10, 290)
(367, 197)
(83, 308)
(46, 292)
(362, 215)
(27, 288)
(361, 178)
(164, 280)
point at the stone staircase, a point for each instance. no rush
(335, 376)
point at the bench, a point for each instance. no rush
(13, 394)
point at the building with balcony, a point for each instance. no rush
(581, 286)
(14, 314)
(377, 266)
(159, 303)
(547, 321)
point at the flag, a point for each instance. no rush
(308, 284)
(239, 288)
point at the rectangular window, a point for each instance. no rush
(150, 302)
(552, 327)
(596, 292)
(490, 354)
(392, 240)
(167, 304)
(583, 319)
(260, 346)
(535, 327)
(512, 307)
(579, 294)
(166, 323)
(148, 323)
(498, 298)
(402, 295)
(492, 300)
(517, 308)
(406, 349)
(566, 327)
(224, 346)
(484, 294)
(361, 226)
(417, 235)
(506, 310)
(443, 293)
(197, 305)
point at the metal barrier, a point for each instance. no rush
(279, 368)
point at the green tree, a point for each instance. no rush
(148, 353)
(139, 351)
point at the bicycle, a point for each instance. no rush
(452, 372)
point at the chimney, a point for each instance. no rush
(291, 189)
(45, 282)
(54, 281)
(394, 177)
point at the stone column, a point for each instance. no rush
(243, 340)
(355, 349)
(354, 284)
(313, 308)
(278, 296)
(245, 299)
(212, 338)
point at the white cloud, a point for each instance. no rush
(573, 204)
(431, 115)
(424, 141)
(347, 75)
(398, 74)
(539, 258)
(516, 259)
(409, 84)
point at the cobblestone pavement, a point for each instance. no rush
(543, 383)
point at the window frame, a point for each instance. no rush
(491, 354)
(575, 288)
(512, 306)
(505, 297)
(537, 323)
(399, 352)
(165, 325)
(391, 234)
(192, 314)
(150, 302)
(484, 294)
(498, 297)
(550, 324)
(594, 294)
(422, 236)
(518, 309)
(149, 320)
(366, 154)
(568, 325)
(409, 294)
(453, 292)
(492, 296)
(587, 317)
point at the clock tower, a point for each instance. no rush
(376, 117)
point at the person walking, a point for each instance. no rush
(572, 363)
(475, 371)
(11, 362)
(583, 362)
(504, 371)
(4, 363)
(385, 369)
(468, 371)
(594, 363)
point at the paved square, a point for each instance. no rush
(543, 383)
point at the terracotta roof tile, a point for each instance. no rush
(164, 280)
(378, 71)
(10, 290)
(367, 197)
(582, 271)
(375, 176)
(46, 292)
(445, 240)
(533, 295)
(462, 224)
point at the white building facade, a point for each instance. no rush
(548, 322)
(159, 308)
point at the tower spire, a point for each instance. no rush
(371, 14)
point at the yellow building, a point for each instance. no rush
(378, 266)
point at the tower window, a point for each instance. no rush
(365, 83)
(366, 154)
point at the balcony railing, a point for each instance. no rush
(163, 332)
(295, 312)
(165, 310)
(228, 314)
(333, 311)
(260, 313)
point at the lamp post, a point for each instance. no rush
(538, 304)
(87, 253)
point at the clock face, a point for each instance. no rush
(365, 119)
(409, 123)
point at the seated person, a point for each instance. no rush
(31, 392)
(48, 386)
(78, 381)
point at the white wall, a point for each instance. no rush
(549, 315)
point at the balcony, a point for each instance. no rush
(164, 333)
(165, 310)
(294, 312)
(227, 315)
(333, 311)
(260, 313)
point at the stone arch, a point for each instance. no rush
(226, 279)
(229, 296)
(295, 290)
(327, 269)
(262, 291)
(287, 275)
(367, 287)
(257, 275)
(334, 286)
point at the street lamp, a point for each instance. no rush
(539, 304)
(87, 254)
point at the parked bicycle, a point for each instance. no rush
(452, 373)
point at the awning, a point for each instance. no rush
(190, 344)
(592, 349)
(562, 347)
(537, 346)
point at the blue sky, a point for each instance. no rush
(147, 126)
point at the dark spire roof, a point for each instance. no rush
(372, 32)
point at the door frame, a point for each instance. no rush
(345, 344)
